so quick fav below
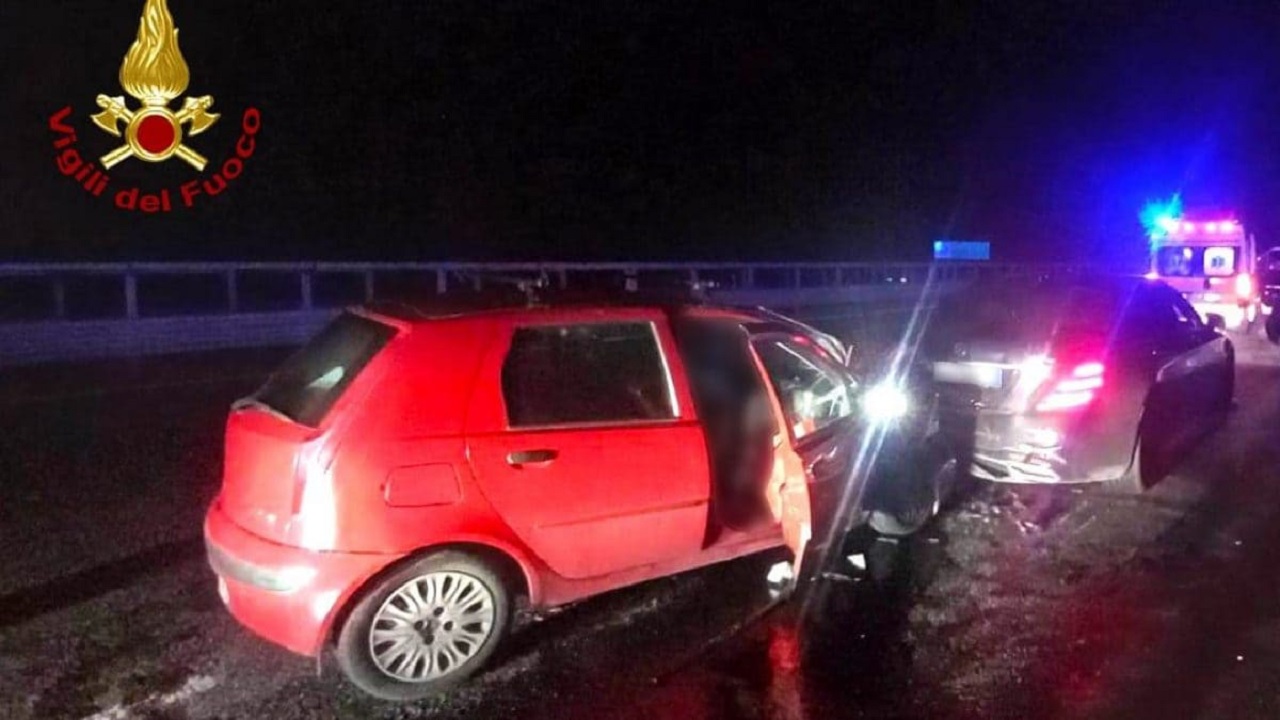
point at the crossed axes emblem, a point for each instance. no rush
(194, 112)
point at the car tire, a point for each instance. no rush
(905, 510)
(417, 610)
(1131, 482)
(1273, 325)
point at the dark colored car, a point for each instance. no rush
(1269, 277)
(1097, 380)
(1269, 282)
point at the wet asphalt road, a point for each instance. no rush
(1013, 605)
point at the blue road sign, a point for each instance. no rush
(961, 250)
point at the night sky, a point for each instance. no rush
(657, 130)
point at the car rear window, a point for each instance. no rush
(307, 385)
(1022, 315)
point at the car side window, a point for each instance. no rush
(1188, 319)
(1159, 318)
(814, 392)
(586, 373)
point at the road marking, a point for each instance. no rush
(194, 685)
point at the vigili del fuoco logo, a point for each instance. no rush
(154, 74)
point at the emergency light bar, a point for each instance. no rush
(1186, 227)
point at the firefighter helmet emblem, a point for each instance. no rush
(154, 73)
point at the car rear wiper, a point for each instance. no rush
(252, 403)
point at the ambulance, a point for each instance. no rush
(1211, 261)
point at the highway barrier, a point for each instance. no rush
(51, 312)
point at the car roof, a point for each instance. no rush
(495, 306)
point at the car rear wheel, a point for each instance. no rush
(424, 627)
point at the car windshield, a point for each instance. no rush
(307, 385)
(1197, 261)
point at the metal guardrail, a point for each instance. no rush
(40, 291)
(73, 311)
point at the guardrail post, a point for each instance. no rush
(564, 279)
(749, 278)
(796, 278)
(306, 289)
(442, 282)
(59, 298)
(233, 294)
(368, 286)
(693, 276)
(131, 296)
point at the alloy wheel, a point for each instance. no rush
(431, 625)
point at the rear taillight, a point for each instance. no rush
(1244, 285)
(1073, 390)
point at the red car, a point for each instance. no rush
(403, 482)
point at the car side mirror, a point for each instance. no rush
(1216, 321)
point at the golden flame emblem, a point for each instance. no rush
(154, 73)
(154, 70)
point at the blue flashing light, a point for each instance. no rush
(1160, 218)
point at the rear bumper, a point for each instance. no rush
(1022, 468)
(1030, 450)
(285, 594)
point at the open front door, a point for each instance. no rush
(814, 447)
(788, 496)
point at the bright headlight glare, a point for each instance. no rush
(885, 402)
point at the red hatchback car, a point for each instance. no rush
(403, 482)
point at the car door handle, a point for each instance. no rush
(820, 464)
(520, 458)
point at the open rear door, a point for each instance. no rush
(814, 445)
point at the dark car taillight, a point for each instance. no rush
(1072, 390)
